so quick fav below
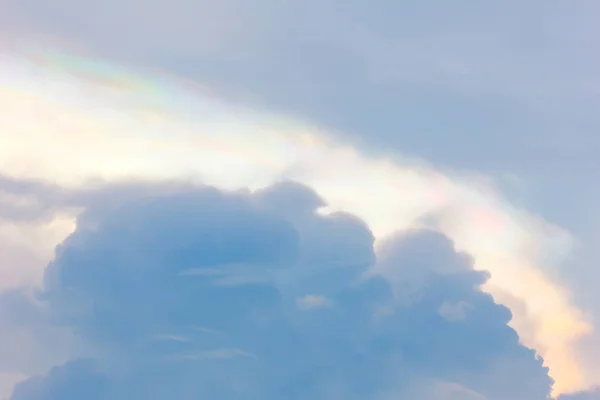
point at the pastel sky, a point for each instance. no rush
(300, 200)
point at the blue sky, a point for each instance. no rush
(303, 200)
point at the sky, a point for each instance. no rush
(303, 200)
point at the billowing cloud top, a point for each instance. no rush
(200, 293)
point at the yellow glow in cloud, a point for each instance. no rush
(73, 128)
(508, 244)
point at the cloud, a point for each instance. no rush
(592, 394)
(79, 381)
(116, 284)
(462, 76)
(52, 173)
(509, 89)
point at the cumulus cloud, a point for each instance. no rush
(207, 140)
(143, 328)
(177, 133)
(506, 88)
